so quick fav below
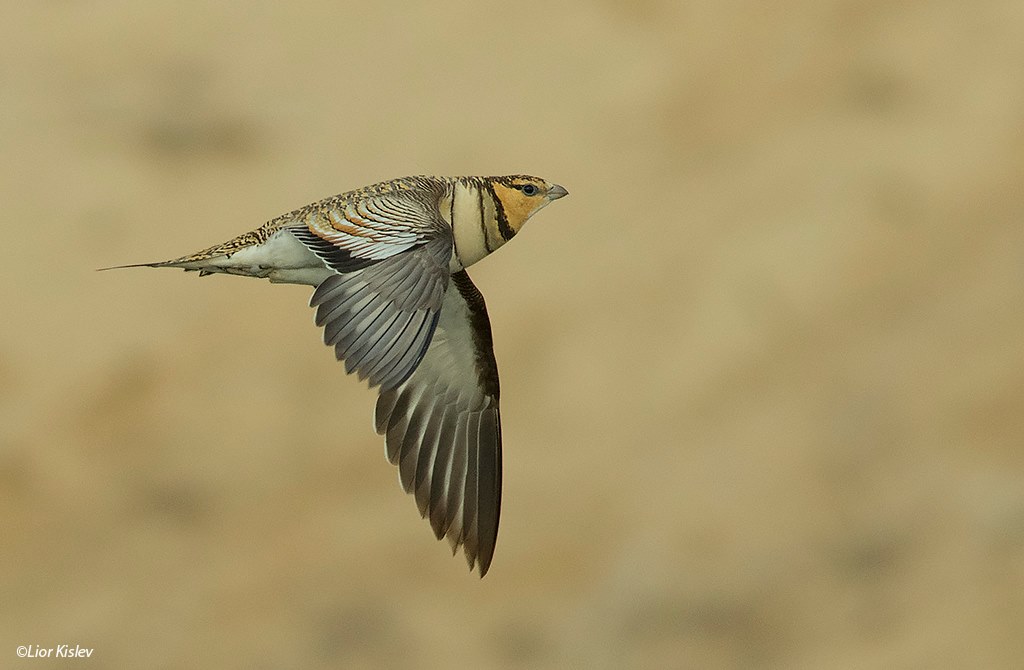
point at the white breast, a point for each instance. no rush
(467, 227)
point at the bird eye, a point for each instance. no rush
(529, 189)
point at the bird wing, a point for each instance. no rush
(443, 428)
(357, 229)
(391, 254)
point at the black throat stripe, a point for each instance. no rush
(504, 229)
(483, 222)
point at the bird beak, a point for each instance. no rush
(557, 192)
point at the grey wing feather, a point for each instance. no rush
(443, 428)
(380, 318)
(391, 252)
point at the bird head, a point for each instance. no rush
(522, 196)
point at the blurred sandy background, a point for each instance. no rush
(763, 370)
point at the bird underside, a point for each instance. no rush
(281, 258)
(310, 276)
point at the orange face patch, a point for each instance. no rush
(517, 205)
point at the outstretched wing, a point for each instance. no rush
(389, 316)
(391, 253)
(443, 428)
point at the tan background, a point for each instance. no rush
(763, 370)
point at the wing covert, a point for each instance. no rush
(359, 229)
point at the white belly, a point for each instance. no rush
(282, 259)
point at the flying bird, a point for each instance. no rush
(388, 263)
